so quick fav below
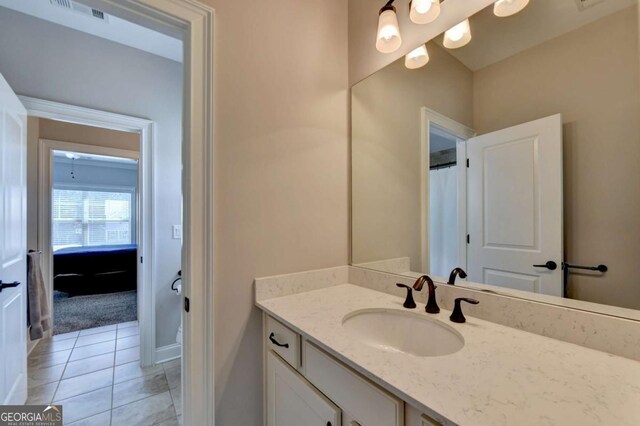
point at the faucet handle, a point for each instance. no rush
(456, 315)
(409, 303)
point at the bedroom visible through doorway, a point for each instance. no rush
(94, 232)
(94, 240)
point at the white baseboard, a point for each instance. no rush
(167, 353)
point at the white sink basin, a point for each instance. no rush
(400, 331)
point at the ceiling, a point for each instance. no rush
(74, 15)
(495, 39)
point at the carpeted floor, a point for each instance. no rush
(81, 312)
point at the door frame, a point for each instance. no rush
(428, 117)
(194, 21)
(89, 117)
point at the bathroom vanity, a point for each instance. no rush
(511, 159)
(345, 354)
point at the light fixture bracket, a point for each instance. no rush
(388, 6)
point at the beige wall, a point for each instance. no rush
(88, 135)
(365, 60)
(386, 151)
(590, 76)
(40, 128)
(281, 170)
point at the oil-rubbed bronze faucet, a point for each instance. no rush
(432, 305)
(456, 315)
(409, 303)
(454, 274)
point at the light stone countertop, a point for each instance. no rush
(502, 376)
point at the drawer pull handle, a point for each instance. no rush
(275, 342)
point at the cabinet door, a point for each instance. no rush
(292, 401)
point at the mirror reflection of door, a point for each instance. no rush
(515, 207)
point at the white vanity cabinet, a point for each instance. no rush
(307, 386)
(293, 401)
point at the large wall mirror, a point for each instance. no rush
(515, 157)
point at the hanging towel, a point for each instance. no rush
(39, 314)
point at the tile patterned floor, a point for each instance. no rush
(95, 374)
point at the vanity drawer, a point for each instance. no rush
(284, 341)
(366, 402)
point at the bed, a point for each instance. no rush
(95, 269)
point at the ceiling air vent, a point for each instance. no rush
(97, 14)
(80, 8)
(586, 4)
(62, 3)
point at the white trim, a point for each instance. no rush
(461, 153)
(168, 352)
(90, 117)
(195, 22)
(462, 132)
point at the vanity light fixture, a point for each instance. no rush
(424, 11)
(504, 8)
(458, 35)
(388, 39)
(417, 58)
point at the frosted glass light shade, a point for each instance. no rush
(388, 39)
(417, 58)
(424, 11)
(458, 35)
(503, 8)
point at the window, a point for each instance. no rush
(92, 217)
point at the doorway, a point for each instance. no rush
(443, 200)
(194, 22)
(444, 191)
(94, 222)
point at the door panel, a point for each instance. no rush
(292, 401)
(13, 250)
(515, 206)
(512, 280)
(515, 226)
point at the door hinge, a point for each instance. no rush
(186, 304)
(141, 258)
(467, 162)
(468, 239)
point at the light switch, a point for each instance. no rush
(177, 232)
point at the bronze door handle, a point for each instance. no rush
(550, 265)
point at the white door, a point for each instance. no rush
(515, 207)
(13, 247)
(293, 401)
